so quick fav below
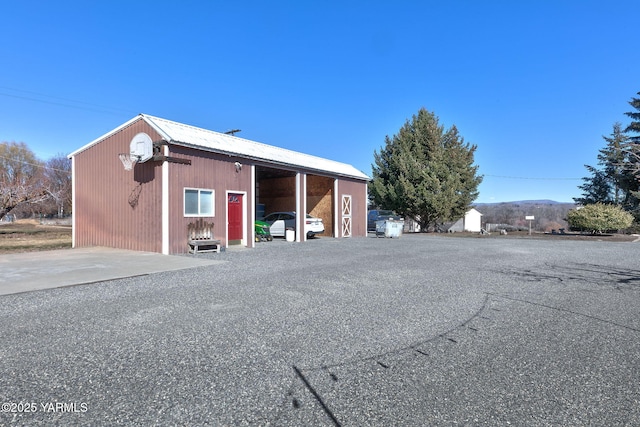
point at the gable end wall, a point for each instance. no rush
(113, 207)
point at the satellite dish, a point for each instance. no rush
(141, 147)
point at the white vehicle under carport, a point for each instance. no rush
(280, 221)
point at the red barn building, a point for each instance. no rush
(185, 173)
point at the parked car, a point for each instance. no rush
(280, 221)
(379, 215)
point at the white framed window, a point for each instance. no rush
(199, 202)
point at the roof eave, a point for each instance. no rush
(105, 136)
(364, 177)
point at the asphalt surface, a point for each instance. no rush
(421, 330)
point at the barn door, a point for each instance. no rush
(346, 216)
(234, 218)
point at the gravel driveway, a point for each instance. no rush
(421, 330)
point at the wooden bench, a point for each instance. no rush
(200, 235)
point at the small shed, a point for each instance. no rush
(471, 221)
(183, 173)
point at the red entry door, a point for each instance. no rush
(234, 217)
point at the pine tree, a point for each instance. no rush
(596, 188)
(632, 164)
(634, 126)
(425, 172)
(611, 182)
(612, 158)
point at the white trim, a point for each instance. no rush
(155, 127)
(346, 219)
(243, 241)
(336, 209)
(73, 202)
(252, 208)
(366, 209)
(128, 123)
(199, 190)
(106, 135)
(304, 207)
(165, 204)
(298, 207)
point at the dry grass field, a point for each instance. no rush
(617, 237)
(29, 236)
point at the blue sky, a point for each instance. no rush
(534, 84)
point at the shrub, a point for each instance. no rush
(552, 225)
(598, 218)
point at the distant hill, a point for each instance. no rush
(549, 214)
(527, 202)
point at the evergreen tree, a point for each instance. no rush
(596, 188)
(634, 126)
(425, 172)
(611, 183)
(617, 181)
(632, 164)
(612, 159)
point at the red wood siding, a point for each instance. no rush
(103, 213)
(210, 171)
(358, 192)
(123, 209)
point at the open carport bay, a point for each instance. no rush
(276, 192)
(421, 330)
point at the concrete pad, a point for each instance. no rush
(23, 272)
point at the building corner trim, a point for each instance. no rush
(165, 204)
(73, 202)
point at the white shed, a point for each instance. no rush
(472, 221)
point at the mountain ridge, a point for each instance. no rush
(526, 202)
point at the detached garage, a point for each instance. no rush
(180, 174)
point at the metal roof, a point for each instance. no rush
(207, 140)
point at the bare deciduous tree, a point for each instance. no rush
(21, 177)
(57, 172)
